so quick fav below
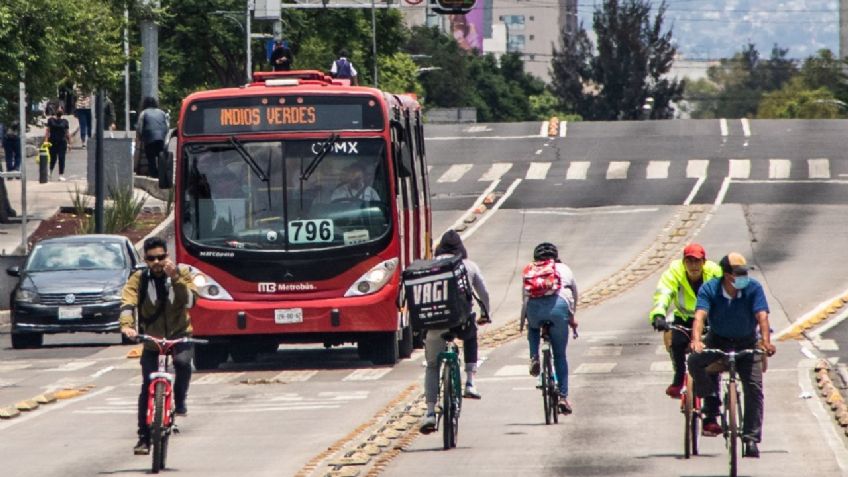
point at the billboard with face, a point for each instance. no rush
(467, 29)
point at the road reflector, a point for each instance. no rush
(27, 405)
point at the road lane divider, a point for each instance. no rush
(61, 400)
(29, 405)
(818, 315)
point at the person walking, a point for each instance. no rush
(12, 146)
(82, 111)
(342, 68)
(151, 131)
(57, 138)
(549, 293)
(737, 312)
(160, 296)
(451, 244)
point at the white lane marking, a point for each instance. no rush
(543, 131)
(746, 127)
(487, 138)
(595, 368)
(823, 417)
(367, 374)
(512, 370)
(538, 170)
(660, 349)
(429, 169)
(468, 232)
(495, 171)
(779, 168)
(53, 407)
(725, 184)
(697, 168)
(695, 190)
(476, 204)
(604, 351)
(218, 378)
(618, 169)
(588, 212)
(722, 124)
(12, 366)
(296, 376)
(657, 170)
(739, 169)
(455, 172)
(563, 128)
(475, 129)
(578, 170)
(538, 152)
(827, 326)
(819, 168)
(71, 366)
(818, 309)
(102, 371)
(662, 366)
(792, 181)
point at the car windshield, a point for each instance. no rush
(307, 195)
(76, 256)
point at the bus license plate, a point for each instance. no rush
(70, 312)
(289, 315)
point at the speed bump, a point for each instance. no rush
(9, 412)
(134, 352)
(27, 405)
(46, 398)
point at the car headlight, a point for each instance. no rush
(26, 296)
(373, 280)
(207, 287)
(112, 294)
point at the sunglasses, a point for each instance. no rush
(153, 258)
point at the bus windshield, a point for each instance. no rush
(342, 201)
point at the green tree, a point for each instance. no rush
(796, 101)
(826, 71)
(496, 97)
(571, 70)
(399, 74)
(447, 83)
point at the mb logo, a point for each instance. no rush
(433, 292)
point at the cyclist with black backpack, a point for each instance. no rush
(550, 294)
(451, 244)
(162, 295)
(342, 68)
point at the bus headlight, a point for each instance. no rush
(373, 280)
(207, 287)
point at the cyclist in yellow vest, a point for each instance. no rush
(678, 286)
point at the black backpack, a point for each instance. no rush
(438, 293)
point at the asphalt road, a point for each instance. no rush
(604, 192)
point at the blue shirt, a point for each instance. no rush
(732, 318)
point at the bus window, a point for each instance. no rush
(343, 202)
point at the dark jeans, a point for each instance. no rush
(183, 353)
(151, 152)
(679, 349)
(750, 372)
(84, 117)
(12, 149)
(57, 152)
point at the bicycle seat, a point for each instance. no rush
(717, 367)
(448, 336)
(545, 323)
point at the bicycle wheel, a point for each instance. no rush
(157, 428)
(733, 426)
(688, 417)
(552, 389)
(457, 401)
(546, 405)
(447, 407)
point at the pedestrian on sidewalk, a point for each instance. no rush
(83, 113)
(58, 137)
(151, 131)
(12, 146)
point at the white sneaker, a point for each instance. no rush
(62, 178)
(428, 424)
(471, 392)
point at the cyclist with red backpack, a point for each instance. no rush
(550, 294)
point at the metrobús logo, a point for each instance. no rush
(212, 253)
(271, 287)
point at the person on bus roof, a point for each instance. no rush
(342, 68)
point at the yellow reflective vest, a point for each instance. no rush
(674, 288)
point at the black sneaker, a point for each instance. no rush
(535, 368)
(751, 449)
(142, 447)
(181, 410)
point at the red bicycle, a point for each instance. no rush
(160, 402)
(690, 407)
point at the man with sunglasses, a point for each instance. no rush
(735, 307)
(160, 296)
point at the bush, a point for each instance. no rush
(118, 216)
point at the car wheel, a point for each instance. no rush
(27, 340)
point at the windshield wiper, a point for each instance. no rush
(248, 159)
(319, 156)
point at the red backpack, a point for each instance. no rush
(541, 278)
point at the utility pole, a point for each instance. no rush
(150, 55)
(127, 126)
(374, 39)
(22, 138)
(843, 29)
(249, 61)
(98, 164)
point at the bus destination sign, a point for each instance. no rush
(282, 114)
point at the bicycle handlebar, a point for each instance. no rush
(733, 354)
(167, 342)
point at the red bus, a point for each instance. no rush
(299, 199)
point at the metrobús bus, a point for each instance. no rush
(299, 199)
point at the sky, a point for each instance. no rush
(710, 29)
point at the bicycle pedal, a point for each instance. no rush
(175, 429)
(539, 386)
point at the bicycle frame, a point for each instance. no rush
(690, 406)
(548, 384)
(451, 392)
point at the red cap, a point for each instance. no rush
(694, 250)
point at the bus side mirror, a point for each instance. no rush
(166, 169)
(403, 160)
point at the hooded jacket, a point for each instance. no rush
(674, 288)
(174, 321)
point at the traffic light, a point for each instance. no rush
(454, 7)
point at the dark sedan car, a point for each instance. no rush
(70, 284)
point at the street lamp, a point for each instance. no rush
(245, 27)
